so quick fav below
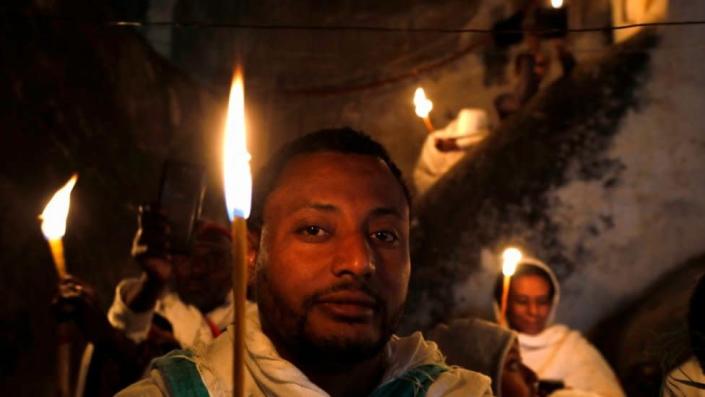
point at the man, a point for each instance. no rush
(329, 237)
(559, 355)
(183, 295)
(182, 299)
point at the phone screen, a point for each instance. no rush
(181, 197)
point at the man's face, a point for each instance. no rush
(333, 258)
(203, 279)
(529, 304)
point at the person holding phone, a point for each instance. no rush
(187, 295)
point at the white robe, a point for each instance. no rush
(689, 371)
(189, 324)
(563, 354)
(469, 128)
(267, 374)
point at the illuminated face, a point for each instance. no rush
(333, 258)
(529, 304)
(518, 380)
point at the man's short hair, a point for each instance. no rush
(340, 140)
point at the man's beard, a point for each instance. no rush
(288, 327)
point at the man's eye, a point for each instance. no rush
(385, 236)
(313, 233)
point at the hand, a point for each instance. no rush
(77, 302)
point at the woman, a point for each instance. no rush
(555, 352)
(484, 347)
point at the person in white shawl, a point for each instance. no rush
(443, 148)
(329, 246)
(554, 351)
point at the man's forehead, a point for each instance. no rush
(317, 180)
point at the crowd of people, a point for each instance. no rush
(330, 265)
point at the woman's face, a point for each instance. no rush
(529, 304)
(518, 380)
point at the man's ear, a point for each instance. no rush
(253, 238)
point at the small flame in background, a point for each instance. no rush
(556, 3)
(510, 260)
(54, 215)
(423, 105)
(236, 159)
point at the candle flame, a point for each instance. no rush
(54, 215)
(556, 3)
(423, 105)
(510, 260)
(236, 159)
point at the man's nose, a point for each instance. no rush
(355, 256)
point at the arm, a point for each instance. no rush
(135, 299)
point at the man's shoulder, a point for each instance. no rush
(413, 351)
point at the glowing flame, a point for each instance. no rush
(423, 105)
(556, 3)
(510, 260)
(54, 215)
(236, 159)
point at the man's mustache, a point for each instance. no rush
(356, 286)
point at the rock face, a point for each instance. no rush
(505, 190)
(79, 97)
(601, 176)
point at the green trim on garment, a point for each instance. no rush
(180, 374)
(413, 383)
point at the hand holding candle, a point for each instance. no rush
(54, 227)
(423, 107)
(238, 192)
(510, 260)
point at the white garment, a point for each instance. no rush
(559, 353)
(267, 374)
(189, 324)
(469, 128)
(676, 385)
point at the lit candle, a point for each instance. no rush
(510, 260)
(556, 3)
(423, 107)
(54, 227)
(54, 223)
(238, 192)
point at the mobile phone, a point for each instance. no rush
(181, 192)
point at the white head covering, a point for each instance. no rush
(533, 262)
